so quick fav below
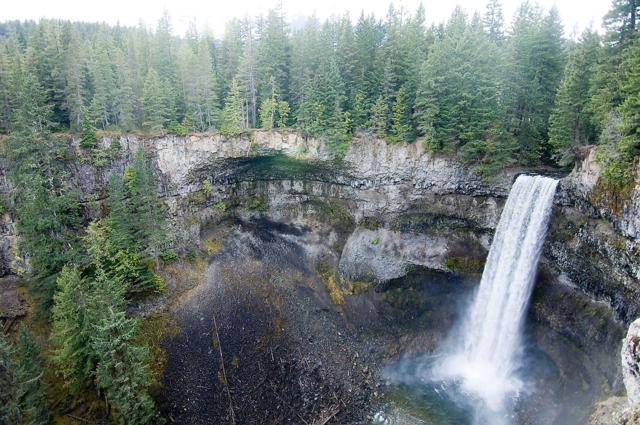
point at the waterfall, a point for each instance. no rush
(486, 352)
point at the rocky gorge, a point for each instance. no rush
(318, 270)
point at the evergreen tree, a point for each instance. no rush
(156, 112)
(570, 123)
(123, 372)
(401, 129)
(231, 48)
(273, 57)
(147, 213)
(494, 21)
(104, 82)
(283, 111)
(534, 70)
(77, 75)
(268, 108)
(133, 230)
(9, 407)
(47, 208)
(32, 395)
(368, 36)
(71, 331)
(622, 21)
(124, 103)
(630, 108)
(232, 115)
(89, 138)
(247, 76)
(457, 100)
(379, 116)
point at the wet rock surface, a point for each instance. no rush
(12, 302)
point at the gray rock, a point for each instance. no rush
(631, 362)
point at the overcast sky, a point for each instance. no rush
(212, 14)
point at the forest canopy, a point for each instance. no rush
(499, 91)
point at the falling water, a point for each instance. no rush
(487, 350)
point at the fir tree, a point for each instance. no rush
(535, 64)
(379, 115)
(9, 407)
(457, 100)
(570, 123)
(156, 112)
(88, 139)
(32, 394)
(494, 21)
(283, 113)
(268, 108)
(401, 128)
(123, 372)
(232, 114)
(71, 331)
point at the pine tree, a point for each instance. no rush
(123, 372)
(156, 112)
(147, 213)
(232, 114)
(401, 128)
(273, 57)
(32, 392)
(124, 100)
(47, 208)
(283, 111)
(622, 22)
(368, 36)
(570, 123)
(247, 76)
(457, 100)
(77, 75)
(534, 70)
(71, 331)
(9, 407)
(88, 139)
(268, 108)
(199, 85)
(379, 115)
(231, 49)
(630, 108)
(494, 21)
(104, 82)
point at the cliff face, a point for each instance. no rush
(400, 188)
(386, 212)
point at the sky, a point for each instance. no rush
(212, 14)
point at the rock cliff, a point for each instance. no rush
(397, 187)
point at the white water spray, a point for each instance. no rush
(486, 355)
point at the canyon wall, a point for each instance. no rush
(417, 208)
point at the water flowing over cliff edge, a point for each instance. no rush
(381, 214)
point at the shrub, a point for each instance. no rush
(192, 254)
(178, 129)
(258, 204)
(168, 256)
